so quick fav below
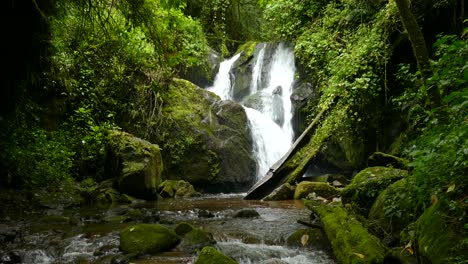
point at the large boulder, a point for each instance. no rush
(395, 208)
(136, 163)
(441, 238)
(366, 186)
(147, 239)
(205, 141)
(176, 189)
(203, 75)
(283, 192)
(196, 239)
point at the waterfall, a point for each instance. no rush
(270, 116)
(222, 84)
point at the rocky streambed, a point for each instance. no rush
(247, 231)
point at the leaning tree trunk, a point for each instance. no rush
(419, 49)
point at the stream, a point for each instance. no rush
(90, 236)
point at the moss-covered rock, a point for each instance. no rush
(321, 189)
(196, 239)
(367, 185)
(205, 141)
(210, 255)
(384, 159)
(350, 241)
(183, 228)
(394, 209)
(136, 163)
(284, 192)
(310, 238)
(147, 238)
(174, 189)
(441, 238)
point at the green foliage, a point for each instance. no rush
(33, 157)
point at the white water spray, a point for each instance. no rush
(222, 84)
(270, 123)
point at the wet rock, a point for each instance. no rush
(176, 189)
(210, 255)
(10, 257)
(196, 239)
(183, 228)
(136, 162)
(205, 214)
(120, 259)
(7, 233)
(284, 192)
(366, 186)
(207, 142)
(247, 213)
(54, 219)
(325, 190)
(147, 238)
(310, 238)
(150, 216)
(64, 196)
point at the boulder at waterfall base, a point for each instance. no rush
(136, 163)
(205, 141)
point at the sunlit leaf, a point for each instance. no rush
(359, 255)
(304, 239)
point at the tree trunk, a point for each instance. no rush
(419, 49)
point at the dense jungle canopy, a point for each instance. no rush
(392, 74)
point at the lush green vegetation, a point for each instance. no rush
(84, 67)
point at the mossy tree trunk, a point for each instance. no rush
(419, 49)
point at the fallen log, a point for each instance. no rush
(281, 171)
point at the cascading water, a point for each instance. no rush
(270, 118)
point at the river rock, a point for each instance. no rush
(175, 189)
(284, 192)
(310, 238)
(366, 186)
(147, 239)
(183, 228)
(196, 239)
(246, 213)
(135, 162)
(210, 255)
(325, 190)
(205, 141)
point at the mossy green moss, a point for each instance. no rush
(247, 50)
(173, 189)
(196, 239)
(147, 238)
(367, 185)
(135, 162)
(394, 209)
(322, 189)
(441, 238)
(183, 228)
(351, 242)
(210, 255)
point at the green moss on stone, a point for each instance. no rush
(367, 185)
(440, 238)
(394, 209)
(210, 255)
(183, 228)
(309, 237)
(196, 239)
(322, 189)
(351, 242)
(147, 238)
(247, 50)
